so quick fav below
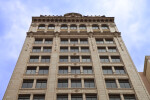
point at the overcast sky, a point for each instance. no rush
(131, 16)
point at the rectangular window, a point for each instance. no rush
(129, 97)
(63, 49)
(84, 49)
(74, 49)
(63, 59)
(75, 70)
(41, 84)
(64, 41)
(38, 41)
(31, 70)
(111, 84)
(112, 49)
(107, 70)
(104, 59)
(83, 41)
(76, 97)
(34, 59)
(114, 97)
(119, 70)
(101, 49)
(115, 59)
(87, 70)
(36, 49)
(109, 41)
(74, 41)
(124, 84)
(62, 97)
(48, 41)
(63, 83)
(76, 83)
(75, 59)
(86, 59)
(24, 97)
(89, 83)
(63, 70)
(91, 97)
(47, 49)
(27, 83)
(45, 59)
(39, 97)
(99, 41)
(43, 70)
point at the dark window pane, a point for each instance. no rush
(110, 41)
(27, 84)
(101, 49)
(47, 49)
(99, 41)
(41, 84)
(104, 59)
(43, 70)
(83, 41)
(24, 97)
(107, 70)
(31, 70)
(62, 83)
(34, 59)
(48, 41)
(74, 49)
(114, 97)
(63, 49)
(75, 59)
(129, 97)
(62, 97)
(89, 84)
(124, 84)
(63, 70)
(76, 83)
(120, 70)
(111, 84)
(75, 70)
(76, 97)
(63, 59)
(91, 97)
(39, 97)
(87, 70)
(45, 59)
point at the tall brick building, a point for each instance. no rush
(74, 57)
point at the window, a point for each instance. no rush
(76, 83)
(82, 27)
(74, 41)
(84, 49)
(75, 70)
(64, 41)
(91, 97)
(112, 49)
(111, 84)
(76, 97)
(120, 70)
(63, 49)
(41, 26)
(129, 97)
(115, 59)
(87, 70)
(104, 27)
(63, 70)
(24, 97)
(107, 70)
(101, 49)
(43, 70)
(63, 59)
(62, 97)
(45, 59)
(99, 41)
(86, 59)
(48, 41)
(110, 41)
(114, 97)
(38, 41)
(41, 84)
(51, 26)
(27, 83)
(31, 70)
(94, 27)
(104, 59)
(74, 49)
(64, 26)
(39, 97)
(89, 83)
(124, 84)
(75, 59)
(34, 59)
(73, 27)
(63, 83)
(36, 49)
(83, 41)
(46, 49)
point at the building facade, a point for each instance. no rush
(74, 57)
(145, 75)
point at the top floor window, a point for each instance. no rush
(104, 27)
(82, 26)
(38, 41)
(64, 41)
(64, 26)
(95, 26)
(99, 41)
(110, 41)
(51, 26)
(41, 26)
(73, 27)
(48, 41)
(83, 41)
(73, 41)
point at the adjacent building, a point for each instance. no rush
(146, 74)
(75, 57)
